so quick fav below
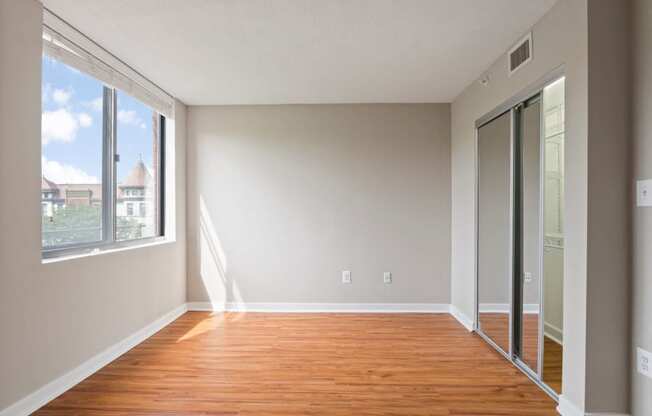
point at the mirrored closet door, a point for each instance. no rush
(495, 230)
(528, 290)
(520, 242)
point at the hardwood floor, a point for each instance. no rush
(552, 363)
(496, 326)
(308, 364)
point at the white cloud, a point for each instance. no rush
(62, 125)
(60, 96)
(46, 92)
(84, 120)
(96, 104)
(130, 117)
(64, 173)
(59, 125)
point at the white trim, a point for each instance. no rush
(56, 387)
(321, 307)
(64, 42)
(107, 249)
(205, 307)
(505, 308)
(334, 308)
(553, 333)
(566, 408)
(461, 317)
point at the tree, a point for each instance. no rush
(83, 223)
(72, 224)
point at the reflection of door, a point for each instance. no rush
(494, 230)
(519, 224)
(528, 288)
(553, 235)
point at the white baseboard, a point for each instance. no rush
(553, 333)
(566, 408)
(461, 317)
(321, 307)
(205, 307)
(50, 391)
(334, 308)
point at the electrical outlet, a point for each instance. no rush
(527, 277)
(644, 362)
(387, 277)
(346, 276)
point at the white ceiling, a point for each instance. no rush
(305, 51)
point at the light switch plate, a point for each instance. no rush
(644, 193)
(346, 276)
(387, 277)
(644, 362)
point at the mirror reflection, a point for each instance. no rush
(494, 230)
(530, 144)
(553, 238)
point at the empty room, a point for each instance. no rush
(326, 207)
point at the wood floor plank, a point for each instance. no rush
(308, 364)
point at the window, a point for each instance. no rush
(138, 167)
(71, 155)
(102, 158)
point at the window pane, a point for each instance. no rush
(137, 170)
(71, 158)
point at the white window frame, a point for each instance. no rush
(64, 43)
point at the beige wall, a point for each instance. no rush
(642, 217)
(55, 316)
(609, 208)
(283, 198)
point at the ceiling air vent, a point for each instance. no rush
(520, 54)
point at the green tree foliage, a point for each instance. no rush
(82, 224)
(72, 224)
(128, 229)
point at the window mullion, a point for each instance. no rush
(108, 165)
(160, 200)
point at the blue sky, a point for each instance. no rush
(71, 128)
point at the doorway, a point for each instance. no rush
(519, 229)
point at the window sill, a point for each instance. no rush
(78, 253)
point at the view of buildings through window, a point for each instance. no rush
(72, 159)
(137, 146)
